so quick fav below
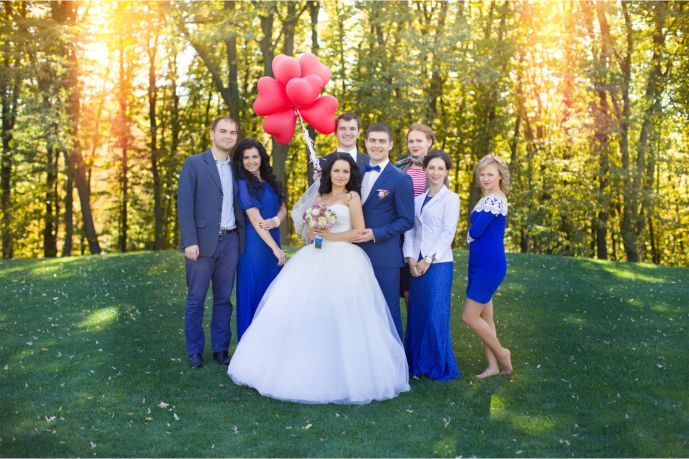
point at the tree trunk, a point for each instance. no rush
(68, 15)
(341, 50)
(153, 132)
(10, 86)
(652, 101)
(232, 70)
(289, 25)
(314, 7)
(122, 136)
(50, 217)
(602, 129)
(175, 129)
(9, 116)
(435, 85)
(69, 207)
(629, 235)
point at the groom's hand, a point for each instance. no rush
(192, 252)
(364, 235)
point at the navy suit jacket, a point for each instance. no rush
(362, 160)
(199, 204)
(388, 216)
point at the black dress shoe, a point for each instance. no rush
(195, 361)
(223, 358)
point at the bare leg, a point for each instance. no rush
(493, 369)
(471, 315)
(406, 299)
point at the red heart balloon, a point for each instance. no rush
(280, 125)
(315, 81)
(285, 68)
(303, 91)
(310, 65)
(276, 60)
(321, 114)
(272, 97)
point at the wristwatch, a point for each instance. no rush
(428, 259)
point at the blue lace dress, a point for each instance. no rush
(487, 260)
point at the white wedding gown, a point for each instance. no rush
(323, 332)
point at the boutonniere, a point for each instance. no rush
(383, 193)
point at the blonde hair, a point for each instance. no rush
(423, 129)
(495, 160)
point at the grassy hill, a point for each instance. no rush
(92, 363)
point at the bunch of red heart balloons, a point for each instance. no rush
(295, 91)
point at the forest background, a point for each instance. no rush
(587, 101)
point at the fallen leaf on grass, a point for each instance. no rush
(163, 405)
(93, 445)
(308, 426)
(174, 415)
(148, 418)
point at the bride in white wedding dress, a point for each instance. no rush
(323, 332)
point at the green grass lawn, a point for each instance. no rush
(92, 363)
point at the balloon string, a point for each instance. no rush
(313, 157)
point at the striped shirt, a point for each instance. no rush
(418, 178)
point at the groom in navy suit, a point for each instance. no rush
(212, 237)
(388, 200)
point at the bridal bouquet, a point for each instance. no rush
(318, 217)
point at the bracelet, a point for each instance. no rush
(276, 219)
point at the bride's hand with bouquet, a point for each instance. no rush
(319, 219)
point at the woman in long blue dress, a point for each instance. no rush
(260, 197)
(428, 251)
(487, 261)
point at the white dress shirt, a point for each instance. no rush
(351, 152)
(227, 220)
(370, 178)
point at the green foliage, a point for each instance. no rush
(590, 137)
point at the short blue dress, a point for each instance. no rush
(257, 265)
(487, 260)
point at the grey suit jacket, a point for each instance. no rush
(199, 204)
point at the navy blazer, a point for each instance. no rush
(389, 212)
(199, 204)
(362, 160)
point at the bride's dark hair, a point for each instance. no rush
(354, 183)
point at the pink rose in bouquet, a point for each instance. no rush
(319, 218)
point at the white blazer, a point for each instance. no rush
(434, 228)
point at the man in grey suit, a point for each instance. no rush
(347, 129)
(212, 237)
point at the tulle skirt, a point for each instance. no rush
(323, 333)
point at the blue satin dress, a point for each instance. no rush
(487, 260)
(427, 340)
(257, 265)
